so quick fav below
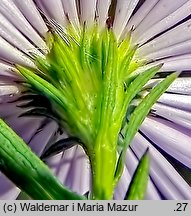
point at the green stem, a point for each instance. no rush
(103, 163)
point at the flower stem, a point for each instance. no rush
(103, 164)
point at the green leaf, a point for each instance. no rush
(144, 107)
(138, 184)
(137, 117)
(27, 171)
(135, 84)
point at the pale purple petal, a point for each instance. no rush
(174, 50)
(8, 190)
(124, 9)
(12, 13)
(167, 39)
(14, 37)
(73, 169)
(176, 100)
(87, 11)
(31, 13)
(6, 70)
(180, 117)
(177, 63)
(102, 11)
(41, 136)
(13, 55)
(8, 89)
(181, 85)
(143, 11)
(170, 138)
(53, 10)
(70, 9)
(160, 11)
(182, 10)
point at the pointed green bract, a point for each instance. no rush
(138, 184)
(27, 171)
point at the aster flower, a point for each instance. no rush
(150, 28)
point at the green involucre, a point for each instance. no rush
(90, 80)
